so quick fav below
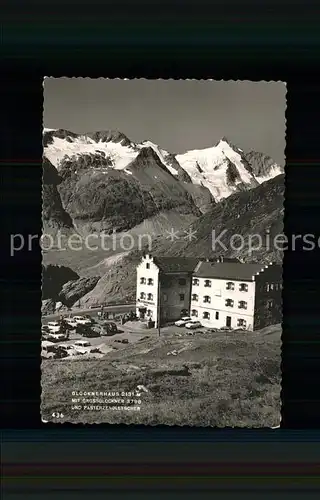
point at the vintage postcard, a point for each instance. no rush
(162, 252)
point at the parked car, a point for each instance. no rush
(89, 318)
(193, 324)
(82, 320)
(54, 326)
(45, 332)
(98, 329)
(60, 352)
(57, 337)
(87, 331)
(109, 328)
(47, 349)
(183, 321)
(69, 348)
(71, 322)
(82, 346)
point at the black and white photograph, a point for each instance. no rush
(162, 248)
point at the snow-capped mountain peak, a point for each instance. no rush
(222, 169)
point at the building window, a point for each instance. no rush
(269, 304)
(165, 297)
(206, 315)
(229, 302)
(142, 295)
(149, 312)
(242, 322)
(242, 304)
(195, 281)
(271, 286)
(181, 295)
(267, 287)
(207, 299)
(194, 312)
(243, 287)
(148, 265)
(194, 296)
(230, 285)
(207, 283)
(182, 281)
(150, 296)
(143, 281)
(150, 281)
(217, 315)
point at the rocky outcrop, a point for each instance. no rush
(74, 290)
(48, 306)
(115, 200)
(53, 279)
(54, 216)
(262, 165)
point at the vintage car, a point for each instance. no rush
(183, 321)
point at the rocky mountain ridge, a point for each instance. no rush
(103, 181)
(258, 211)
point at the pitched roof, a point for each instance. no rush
(176, 264)
(228, 270)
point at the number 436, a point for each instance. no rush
(57, 414)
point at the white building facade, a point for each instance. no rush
(233, 295)
(147, 289)
(217, 294)
(164, 288)
(218, 302)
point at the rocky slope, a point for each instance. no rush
(54, 216)
(106, 181)
(75, 289)
(99, 198)
(246, 214)
(254, 213)
(263, 166)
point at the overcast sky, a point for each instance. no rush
(177, 115)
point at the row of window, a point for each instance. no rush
(273, 286)
(149, 296)
(230, 285)
(150, 281)
(243, 287)
(242, 304)
(206, 315)
(143, 281)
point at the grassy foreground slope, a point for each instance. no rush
(222, 379)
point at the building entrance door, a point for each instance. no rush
(228, 321)
(142, 313)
